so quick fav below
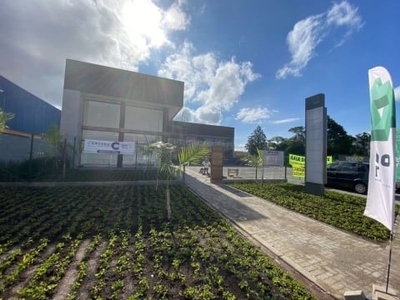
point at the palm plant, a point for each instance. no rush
(148, 151)
(255, 160)
(4, 118)
(54, 138)
(190, 154)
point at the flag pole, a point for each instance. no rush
(389, 261)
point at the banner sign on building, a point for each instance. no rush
(382, 171)
(298, 163)
(273, 158)
(110, 147)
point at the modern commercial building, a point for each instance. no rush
(31, 114)
(183, 133)
(107, 104)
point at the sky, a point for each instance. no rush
(245, 63)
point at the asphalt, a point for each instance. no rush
(334, 260)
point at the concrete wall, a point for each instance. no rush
(71, 118)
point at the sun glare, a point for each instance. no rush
(143, 19)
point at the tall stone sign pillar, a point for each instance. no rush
(216, 164)
(316, 144)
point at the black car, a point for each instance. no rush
(349, 175)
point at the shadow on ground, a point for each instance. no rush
(223, 202)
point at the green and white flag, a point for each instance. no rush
(382, 171)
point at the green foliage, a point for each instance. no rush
(192, 154)
(339, 142)
(54, 138)
(4, 118)
(256, 140)
(336, 209)
(125, 241)
(361, 144)
(25, 171)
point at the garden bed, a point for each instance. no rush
(115, 243)
(341, 210)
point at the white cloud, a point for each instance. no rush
(344, 14)
(252, 115)
(284, 121)
(397, 93)
(307, 34)
(175, 18)
(211, 85)
(302, 41)
(38, 36)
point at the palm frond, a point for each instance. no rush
(192, 153)
(4, 118)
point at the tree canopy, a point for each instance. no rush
(338, 141)
(257, 140)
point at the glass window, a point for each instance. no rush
(137, 118)
(333, 166)
(348, 167)
(101, 114)
(142, 156)
(99, 159)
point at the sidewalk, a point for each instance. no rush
(334, 260)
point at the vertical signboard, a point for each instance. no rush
(316, 144)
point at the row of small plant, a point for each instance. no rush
(106, 175)
(118, 245)
(341, 210)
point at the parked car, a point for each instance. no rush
(350, 175)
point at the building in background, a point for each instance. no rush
(108, 104)
(183, 133)
(23, 137)
(32, 115)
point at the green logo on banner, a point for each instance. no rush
(382, 110)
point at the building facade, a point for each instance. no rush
(108, 104)
(31, 114)
(183, 133)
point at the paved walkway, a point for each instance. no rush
(334, 260)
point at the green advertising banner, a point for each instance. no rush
(383, 148)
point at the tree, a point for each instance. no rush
(339, 142)
(4, 118)
(299, 134)
(192, 153)
(256, 140)
(361, 144)
(277, 143)
(297, 143)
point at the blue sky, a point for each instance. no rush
(244, 63)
